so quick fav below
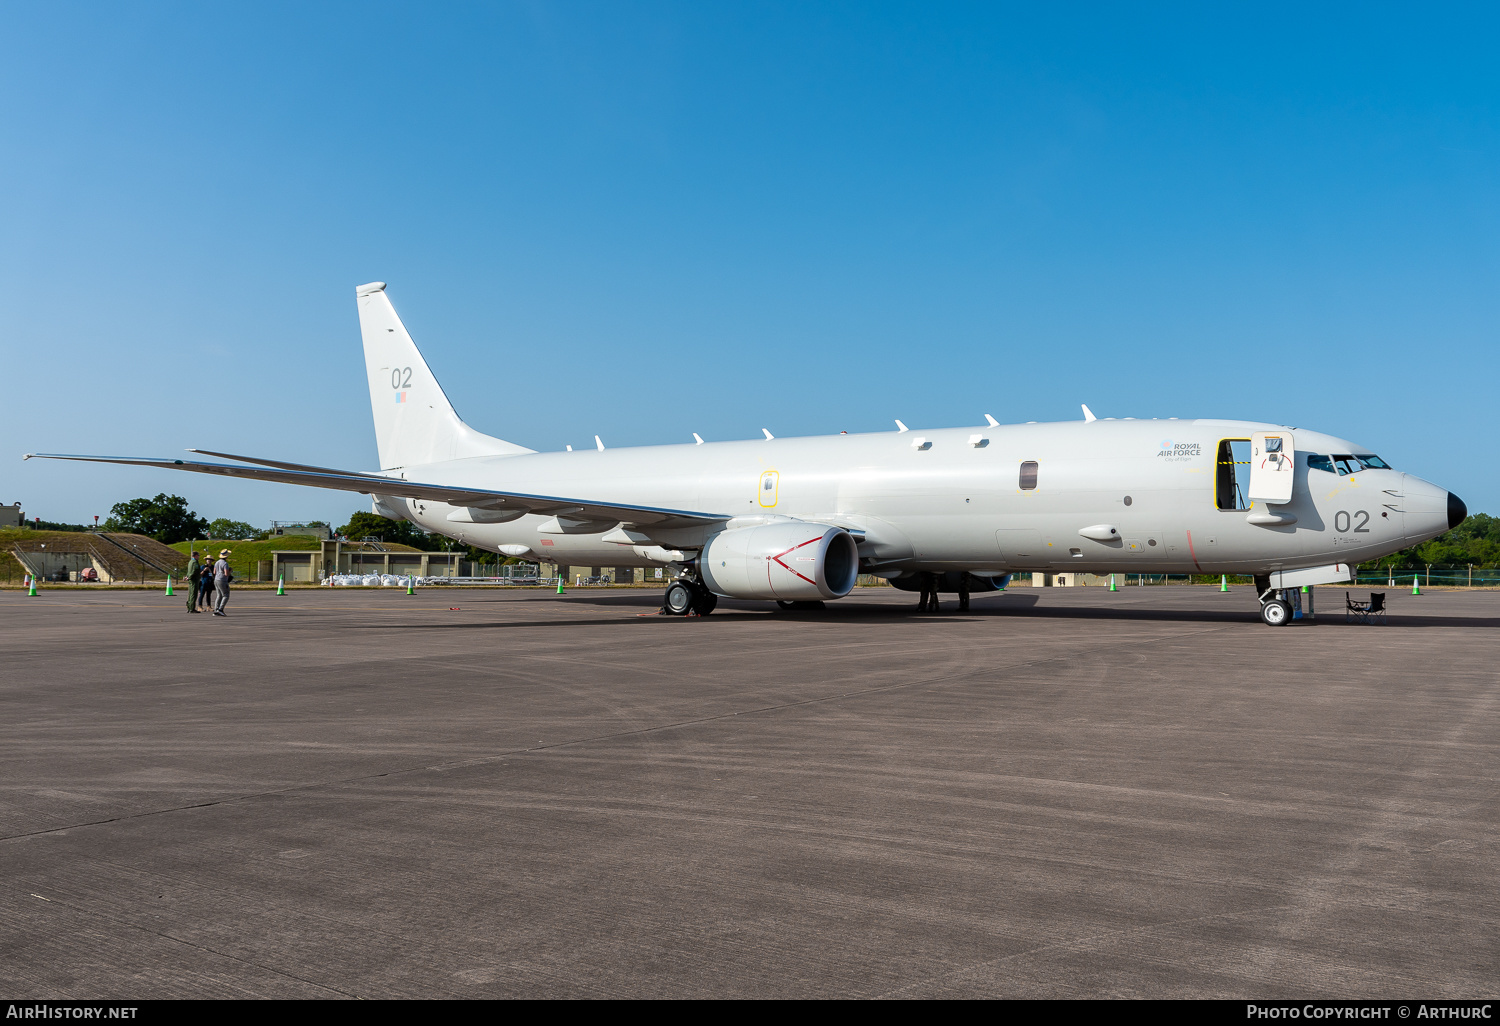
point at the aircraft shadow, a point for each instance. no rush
(1011, 605)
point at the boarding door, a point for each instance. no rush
(1271, 467)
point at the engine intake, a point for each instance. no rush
(791, 561)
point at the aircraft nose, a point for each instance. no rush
(1457, 511)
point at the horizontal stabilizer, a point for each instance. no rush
(378, 484)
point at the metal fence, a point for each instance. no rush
(1442, 574)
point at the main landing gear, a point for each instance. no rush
(686, 596)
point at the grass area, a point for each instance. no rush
(248, 552)
(245, 554)
(10, 568)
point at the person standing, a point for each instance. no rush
(929, 602)
(195, 577)
(222, 576)
(206, 585)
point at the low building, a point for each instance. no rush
(11, 516)
(340, 557)
(126, 558)
(1072, 580)
(612, 574)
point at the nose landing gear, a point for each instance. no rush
(1275, 613)
(1278, 606)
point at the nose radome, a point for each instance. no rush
(1457, 511)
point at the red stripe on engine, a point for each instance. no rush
(777, 558)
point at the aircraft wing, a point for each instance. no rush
(380, 484)
(284, 466)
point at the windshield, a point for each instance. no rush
(1345, 464)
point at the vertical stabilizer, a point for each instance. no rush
(414, 422)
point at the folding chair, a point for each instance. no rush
(1365, 612)
(1357, 612)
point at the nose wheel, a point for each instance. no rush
(1278, 606)
(1275, 613)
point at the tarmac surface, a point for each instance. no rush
(1062, 793)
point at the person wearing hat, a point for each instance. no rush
(222, 576)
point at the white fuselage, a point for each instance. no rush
(952, 499)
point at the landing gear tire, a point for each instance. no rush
(1275, 613)
(705, 602)
(679, 599)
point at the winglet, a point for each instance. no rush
(1088, 415)
(992, 420)
(599, 442)
(769, 437)
(697, 438)
(901, 428)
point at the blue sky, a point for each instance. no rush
(645, 219)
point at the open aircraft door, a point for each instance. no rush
(1272, 467)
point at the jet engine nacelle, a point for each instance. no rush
(794, 562)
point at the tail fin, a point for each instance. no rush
(414, 422)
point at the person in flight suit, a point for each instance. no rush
(194, 576)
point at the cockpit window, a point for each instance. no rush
(1348, 464)
(1323, 463)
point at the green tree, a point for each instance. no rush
(1476, 540)
(47, 525)
(237, 530)
(373, 525)
(165, 518)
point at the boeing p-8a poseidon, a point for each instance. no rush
(797, 519)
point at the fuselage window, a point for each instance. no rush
(1232, 474)
(1323, 463)
(1028, 475)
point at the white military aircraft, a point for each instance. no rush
(795, 520)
